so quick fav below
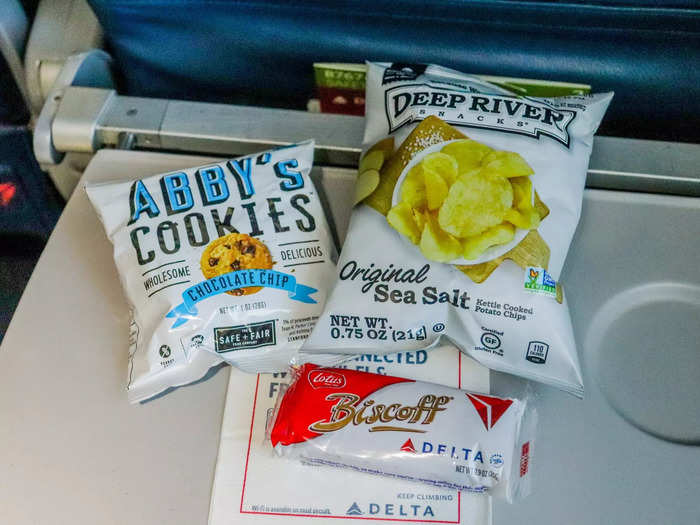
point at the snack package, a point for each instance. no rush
(340, 87)
(406, 429)
(225, 262)
(467, 200)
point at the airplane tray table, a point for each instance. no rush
(72, 450)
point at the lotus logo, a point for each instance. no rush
(489, 408)
(326, 379)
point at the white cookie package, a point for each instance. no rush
(226, 262)
(406, 429)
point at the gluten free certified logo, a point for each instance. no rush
(490, 341)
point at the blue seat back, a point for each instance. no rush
(260, 52)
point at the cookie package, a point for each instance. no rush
(225, 262)
(468, 198)
(407, 430)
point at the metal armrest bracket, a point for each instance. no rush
(92, 68)
(88, 119)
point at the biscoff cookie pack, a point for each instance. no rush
(406, 430)
(468, 197)
(226, 262)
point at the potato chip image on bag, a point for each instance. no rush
(228, 262)
(468, 198)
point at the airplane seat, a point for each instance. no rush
(260, 52)
(64, 357)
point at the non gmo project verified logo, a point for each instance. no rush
(537, 280)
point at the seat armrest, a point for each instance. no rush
(89, 69)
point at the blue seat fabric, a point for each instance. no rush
(260, 52)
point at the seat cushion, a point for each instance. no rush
(261, 51)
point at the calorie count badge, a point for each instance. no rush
(537, 352)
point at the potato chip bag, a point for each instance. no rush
(465, 234)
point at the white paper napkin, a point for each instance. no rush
(252, 485)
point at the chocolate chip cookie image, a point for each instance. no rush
(233, 252)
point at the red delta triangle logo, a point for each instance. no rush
(408, 446)
(490, 409)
